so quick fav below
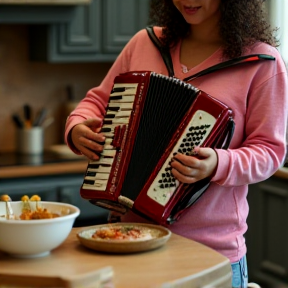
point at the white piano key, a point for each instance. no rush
(108, 141)
(121, 106)
(118, 114)
(108, 134)
(110, 153)
(108, 147)
(103, 160)
(117, 121)
(102, 169)
(98, 176)
(130, 88)
(123, 99)
(99, 185)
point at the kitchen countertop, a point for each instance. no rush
(282, 173)
(179, 263)
(13, 165)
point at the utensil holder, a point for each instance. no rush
(30, 140)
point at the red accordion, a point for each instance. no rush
(150, 117)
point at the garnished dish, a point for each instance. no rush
(121, 232)
(38, 213)
(28, 211)
(124, 237)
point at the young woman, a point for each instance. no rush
(199, 34)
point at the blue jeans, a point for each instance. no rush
(239, 273)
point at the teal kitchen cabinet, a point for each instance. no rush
(97, 33)
(59, 188)
(267, 236)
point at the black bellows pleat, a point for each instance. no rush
(166, 103)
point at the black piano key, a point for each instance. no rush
(106, 129)
(119, 97)
(113, 109)
(96, 166)
(107, 122)
(90, 182)
(118, 89)
(109, 116)
(89, 173)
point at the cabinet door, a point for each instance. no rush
(97, 33)
(62, 188)
(80, 39)
(267, 234)
(122, 20)
(70, 194)
(18, 187)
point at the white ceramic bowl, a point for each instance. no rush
(35, 238)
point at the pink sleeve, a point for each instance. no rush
(264, 147)
(95, 101)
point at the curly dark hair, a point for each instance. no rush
(242, 23)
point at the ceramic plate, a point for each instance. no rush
(144, 237)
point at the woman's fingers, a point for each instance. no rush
(189, 179)
(94, 124)
(88, 142)
(90, 154)
(183, 173)
(190, 169)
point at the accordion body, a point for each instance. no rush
(149, 118)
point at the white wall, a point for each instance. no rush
(278, 14)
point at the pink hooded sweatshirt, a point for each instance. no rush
(257, 93)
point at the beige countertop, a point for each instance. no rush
(179, 263)
(282, 173)
(44, 2)
(52, 162)
(77, 166)
(43, 170)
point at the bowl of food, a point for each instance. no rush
(33, 228)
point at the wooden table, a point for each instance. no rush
(179, 263)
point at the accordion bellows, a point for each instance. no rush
(149, 118)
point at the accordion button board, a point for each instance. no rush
(164, 185)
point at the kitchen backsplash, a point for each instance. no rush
(39, 84)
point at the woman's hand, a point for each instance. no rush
(190, 169)
(86, 139)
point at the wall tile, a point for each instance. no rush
(37, 83)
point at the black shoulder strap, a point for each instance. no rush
(229, 63)
(164, 52)
(168, 60)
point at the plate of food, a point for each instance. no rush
(124, 237)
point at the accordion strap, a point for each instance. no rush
(164, 51)
(168, 60)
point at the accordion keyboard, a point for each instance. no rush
(194, 135)
(118, 113)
